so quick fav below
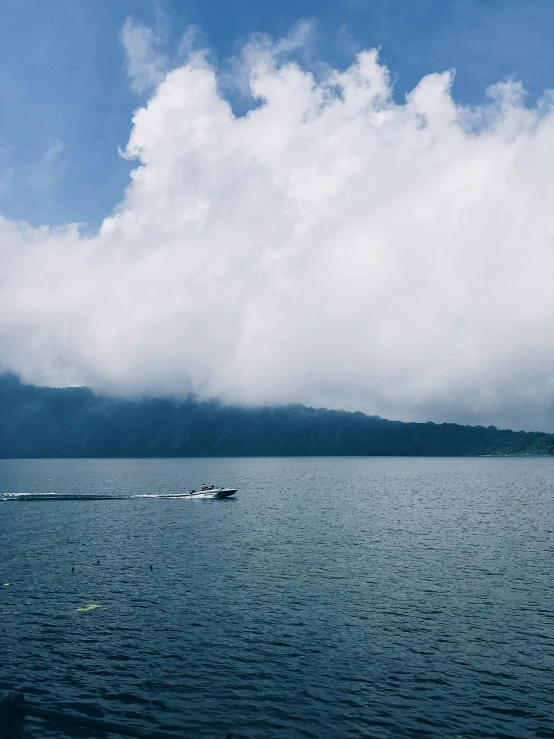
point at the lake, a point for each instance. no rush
(334, 597)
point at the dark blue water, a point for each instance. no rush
(332, 598)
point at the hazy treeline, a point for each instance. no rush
(75, 422)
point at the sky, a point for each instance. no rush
(345, 204)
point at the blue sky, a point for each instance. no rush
(67, 102)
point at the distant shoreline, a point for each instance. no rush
(75, 423)
(297, 456)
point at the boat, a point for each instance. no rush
(213, 492)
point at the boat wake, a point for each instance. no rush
(49, 497)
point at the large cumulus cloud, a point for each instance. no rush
(331, 247)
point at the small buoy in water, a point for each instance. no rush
(97, 561)
(150, 568)
(73, 568)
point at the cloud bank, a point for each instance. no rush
(331, 247)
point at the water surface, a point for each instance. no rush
(342, 597)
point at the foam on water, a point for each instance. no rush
(42, 497)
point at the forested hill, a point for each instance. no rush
(74, 422)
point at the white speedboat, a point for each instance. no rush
(214, 492)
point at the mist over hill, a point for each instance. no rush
(75, 422)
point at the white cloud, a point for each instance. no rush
(331, 248)
(146, 65)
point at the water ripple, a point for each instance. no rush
(334, 598)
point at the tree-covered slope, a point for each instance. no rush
(74, 422)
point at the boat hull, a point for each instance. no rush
(216, 493)
(225, 493)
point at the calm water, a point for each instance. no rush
(333, 598)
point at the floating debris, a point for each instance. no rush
(91, 607)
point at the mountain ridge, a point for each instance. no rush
(46, 422)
